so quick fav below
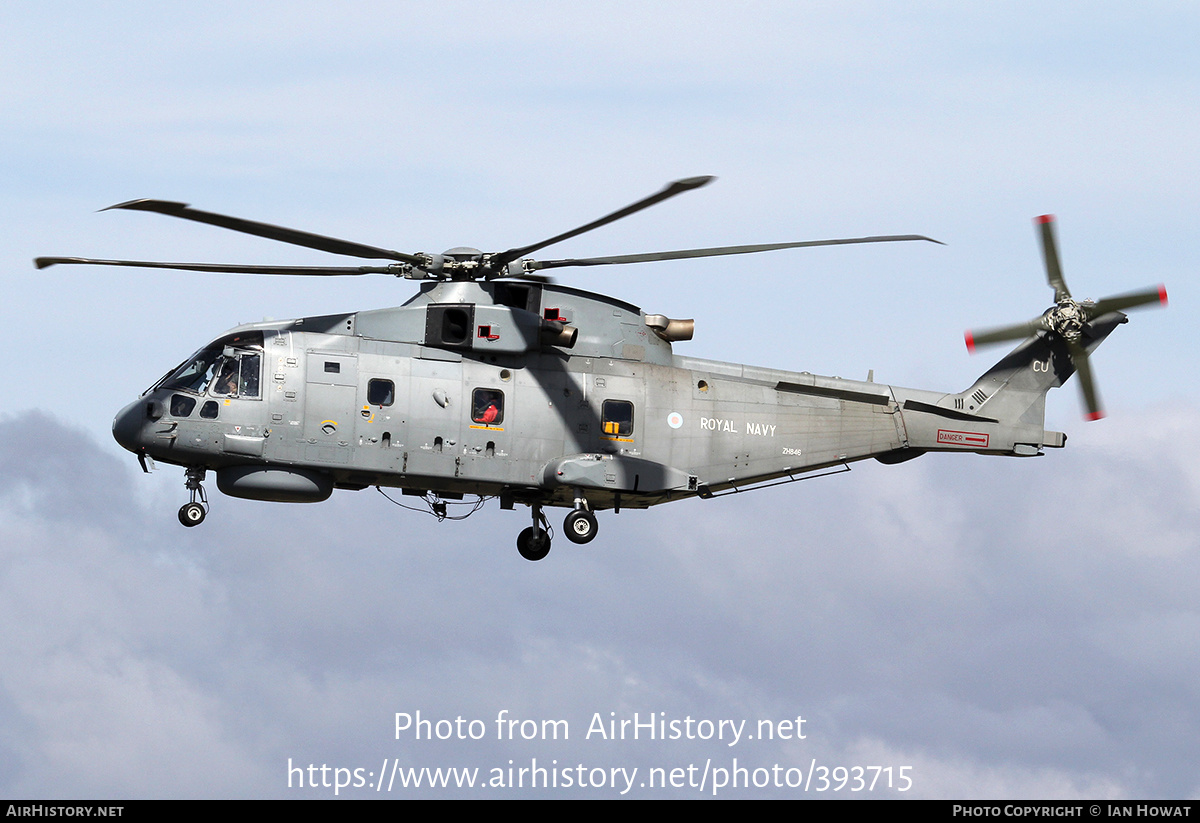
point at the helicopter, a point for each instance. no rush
(495, 381)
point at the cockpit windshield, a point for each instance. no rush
(230, 366)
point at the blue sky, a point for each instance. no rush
(1016, 628)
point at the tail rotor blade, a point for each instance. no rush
(1120, 302)
(1091, 400)
(999, 334)
(1050, 256)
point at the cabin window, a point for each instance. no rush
(381, 392)
(209, 410)
(487, 406)
(616, 418)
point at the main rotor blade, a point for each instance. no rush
(1121, 302)
(1050, 256)
(718, 251)
(502, 259)
(1018, 331)
(1091, 401)
(281, 233)
(328, 271)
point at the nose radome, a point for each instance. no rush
(128, 424)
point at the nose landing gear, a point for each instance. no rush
(581, 525)
(192, 514)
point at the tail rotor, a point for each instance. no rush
(1068, 319)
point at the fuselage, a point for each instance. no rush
(529, 392)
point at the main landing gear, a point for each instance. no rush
(580, 526)
(192, 514)
(534, 542)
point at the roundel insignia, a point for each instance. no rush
(674, 420)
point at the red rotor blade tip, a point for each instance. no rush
(970, 338)
(1045, 218)
(1162, 295)
(1096, 415)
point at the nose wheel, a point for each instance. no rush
(580, 526)
(192, 514)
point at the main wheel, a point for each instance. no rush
(533, 544)
(580, 526)
(191, 514)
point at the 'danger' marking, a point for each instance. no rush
(960, 438)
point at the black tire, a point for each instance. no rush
(581, 526)
(191, 514)
(533, 544)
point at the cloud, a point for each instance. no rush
(1005, 628)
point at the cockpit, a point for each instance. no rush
(228, 367)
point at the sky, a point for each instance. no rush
(953, 627)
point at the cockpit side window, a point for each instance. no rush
(227, 379)
(210, 368)
(250, 371)
(238, 375)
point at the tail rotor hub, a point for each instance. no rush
(1067, 319)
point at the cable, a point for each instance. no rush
(438, 507)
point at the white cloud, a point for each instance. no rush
(982, 649)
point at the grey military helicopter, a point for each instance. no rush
(494, 381)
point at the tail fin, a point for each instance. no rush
(1014, 390)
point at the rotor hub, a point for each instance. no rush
(1067, 319)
